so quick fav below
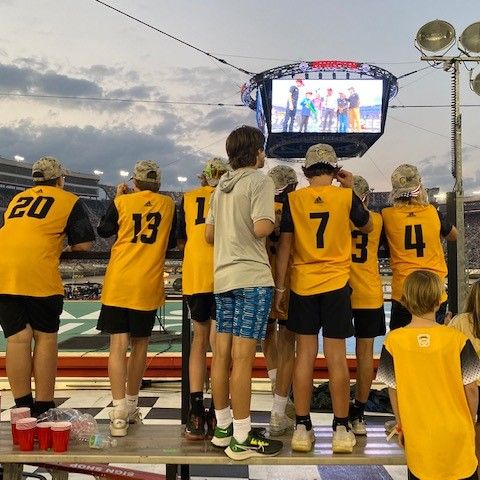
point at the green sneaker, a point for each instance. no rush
(254, 446)
(222, 436)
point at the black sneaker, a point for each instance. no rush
(254, 446)
(195, 428)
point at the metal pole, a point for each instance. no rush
(452, 257)
(458, 188)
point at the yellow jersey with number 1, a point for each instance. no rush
(413, 234)
(322, 241)
(134, 276)
(197, 269)
(365, 277)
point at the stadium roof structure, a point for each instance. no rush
(18, 176)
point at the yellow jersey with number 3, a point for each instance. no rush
(134, 276)
(413, 234)
(365, 277)
(197, 269)
(322, 241)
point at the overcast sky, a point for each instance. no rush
(80, 48)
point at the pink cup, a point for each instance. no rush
(16, 414)
(60, 436)
(25, 433)
(44, 433)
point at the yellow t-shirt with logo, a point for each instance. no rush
(32, 239)
(413, 234)
(134, 276)
(322, 241)
(197, 269)
(365, 279)
(428, 367)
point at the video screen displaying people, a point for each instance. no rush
(329, 106)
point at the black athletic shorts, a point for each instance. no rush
(332, 311)
(369, 322)
(201, 306)
(137, 323)
(41, 313)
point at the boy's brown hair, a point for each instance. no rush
(422, 292)
(242, 146)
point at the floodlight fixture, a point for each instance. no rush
(435, 36)
(182, 179)
(475, 84)
(470, 38)
(19, 158)
(124, 173)
(97, 172)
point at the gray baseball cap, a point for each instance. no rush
(405, 180)
(47, 168)
(283, 175)
(147, 171)
(321, 153)
(360, 186)
(213, 170)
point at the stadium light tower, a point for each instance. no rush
(182, 180)
(438, 37)
(19, 158)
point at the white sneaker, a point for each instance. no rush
(118, 422)
(343, 441)
(280, 424)
(135, 417)
(303, 439)
(359, 426)
(390, 426)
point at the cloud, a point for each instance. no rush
(85, 149)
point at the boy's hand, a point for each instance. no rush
(448, 318)
(122, 188)
(278, 302)
(345, 178)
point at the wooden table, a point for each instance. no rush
(164, 444)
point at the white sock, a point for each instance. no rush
(132, 402)
(279, 404)
(224, 417)
(272, 374)
(120, 404)
(241, 429)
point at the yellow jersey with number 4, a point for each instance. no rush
(365, 277)
(413, 234)
(322, 241)
(134, 276)
(197, 269)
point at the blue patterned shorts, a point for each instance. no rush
(243, 312)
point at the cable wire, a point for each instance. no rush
(173, 37)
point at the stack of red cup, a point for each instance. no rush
(26, 428)
(60, 436)
(15, 415)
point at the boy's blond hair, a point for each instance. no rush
(422, 292)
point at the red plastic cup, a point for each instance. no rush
(60, 436)
(26, 433)
(17, 414)
(44, 433)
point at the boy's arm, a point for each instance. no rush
(80, 234)
(471, 392)
(181, 227)
(281, 266)
(262, 207)
(263, 228)
(209, 233)
(210, 222)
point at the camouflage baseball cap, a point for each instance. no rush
(360, 186)
(406, 181)
(213, 170)
(282, 175)
(47, 168)
(147, 171)
(321, 153)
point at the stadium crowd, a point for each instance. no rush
(263, 261)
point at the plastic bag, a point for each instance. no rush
(83, 424)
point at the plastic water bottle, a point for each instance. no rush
(101, 442)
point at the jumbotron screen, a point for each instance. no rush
(326, 106)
